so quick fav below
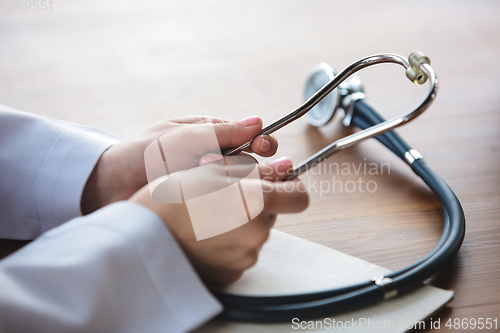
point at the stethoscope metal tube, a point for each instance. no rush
(361, 114)
(371, 131)
(418, 65)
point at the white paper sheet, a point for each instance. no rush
(288, 265)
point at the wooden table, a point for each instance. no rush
(123, 65)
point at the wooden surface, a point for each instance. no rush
(123, 65)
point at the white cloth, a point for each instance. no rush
(116, 270)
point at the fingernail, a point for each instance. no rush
(282, 164)
(207, 159)
(265, 145)
(250, 121)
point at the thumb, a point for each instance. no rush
(235, 133)
(212, 137)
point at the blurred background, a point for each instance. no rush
(124, 65)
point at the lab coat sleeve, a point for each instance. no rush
(116, 270)
(44, 166)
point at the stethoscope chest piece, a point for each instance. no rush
(324, 111)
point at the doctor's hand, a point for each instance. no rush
(120, 171)
(222, 259)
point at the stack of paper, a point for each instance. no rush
(289, 265)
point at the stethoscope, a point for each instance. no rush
(322, 99)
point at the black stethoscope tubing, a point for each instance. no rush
(331, 302)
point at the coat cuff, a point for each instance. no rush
(186, 299)
(65, 173)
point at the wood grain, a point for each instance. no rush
(123, 65)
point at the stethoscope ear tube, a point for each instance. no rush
(453, 234)
(418, 70)
(452, 207)
(332, 302)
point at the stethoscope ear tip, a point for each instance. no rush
(414, 72)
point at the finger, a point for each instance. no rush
(241, 158)
(198, 120)
(211, 158)
(285, 197)
(277, 170)
(242, 165)
(235, 133)
(246, 260)
(200, 139)
(222, 278)
(250, 236)
(265, 145)
(236, 167)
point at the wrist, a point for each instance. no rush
(100, 189)
(118, 174)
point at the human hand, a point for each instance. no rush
(222, 259)
(120, 171)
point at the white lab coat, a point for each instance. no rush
(116, 270)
